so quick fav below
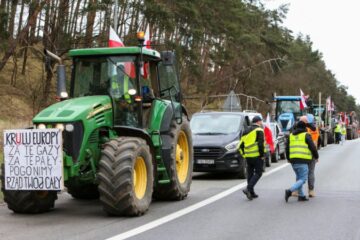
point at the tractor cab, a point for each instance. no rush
(131, 76)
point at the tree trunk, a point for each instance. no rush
(90, 23)
(13, 43)
(20, 18)
(12, 18)
(3, 19)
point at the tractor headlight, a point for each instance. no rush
(60, 126)
(69, 127)
(232, 146)
(41, 126)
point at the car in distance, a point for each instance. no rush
(279, 142)
(216, 136)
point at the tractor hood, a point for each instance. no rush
(75, 109)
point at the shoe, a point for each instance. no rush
(254, 195)
(311, 193)
(287, 195)
(295, 194)
(248, 194)
(302, 199)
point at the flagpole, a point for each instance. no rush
(116, 16)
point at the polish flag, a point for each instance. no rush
(303, 100)
(268, 134)
(147, 43)
(114, 40)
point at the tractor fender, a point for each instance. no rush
(140, 133)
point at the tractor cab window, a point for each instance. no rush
(169, 83)
(103, 76)
(114, 76)
(289, 107)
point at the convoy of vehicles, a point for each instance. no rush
(126, 139)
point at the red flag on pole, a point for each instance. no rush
(147, 44)
(303, 100)
(114, 41)
(268, 134)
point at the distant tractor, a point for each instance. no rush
(126, 135)
(287, 111)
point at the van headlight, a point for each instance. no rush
(232, 146)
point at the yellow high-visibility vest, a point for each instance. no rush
(119, 91)
(343, 130)
(298, 147)
(251, 148)
(337, 128)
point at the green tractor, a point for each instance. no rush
(126, 135)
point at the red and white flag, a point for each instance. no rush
(268, 134)
(114, 40)
(147, 43)
(303, 100)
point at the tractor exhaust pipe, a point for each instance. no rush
(61, 74)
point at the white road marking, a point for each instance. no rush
(182, 212)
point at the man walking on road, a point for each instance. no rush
(300, 151)
(252, 148)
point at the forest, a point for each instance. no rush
(220, 45)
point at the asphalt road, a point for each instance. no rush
(217, 209)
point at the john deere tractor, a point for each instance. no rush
(126, 136)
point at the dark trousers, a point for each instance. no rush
(337, 137)
(254, 172)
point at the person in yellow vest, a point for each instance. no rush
(251, 147)
(343, 133)
(300, 151)
(337, 133)
(120, 85)
(314, 133)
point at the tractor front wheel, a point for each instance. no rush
(126, 177)
(27, 201)
(180, 166)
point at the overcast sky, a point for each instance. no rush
(334, 28)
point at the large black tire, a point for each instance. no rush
(27, 201)
(180, 179)
(85, 192)
(126, 177)
(275, 156)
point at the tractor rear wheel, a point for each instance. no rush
(126, 177)
(181, 163)
(27, 201)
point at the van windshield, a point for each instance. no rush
(212, 124)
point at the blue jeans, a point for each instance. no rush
(301, 170)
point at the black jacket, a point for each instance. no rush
(259, 139)
(310, 144)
